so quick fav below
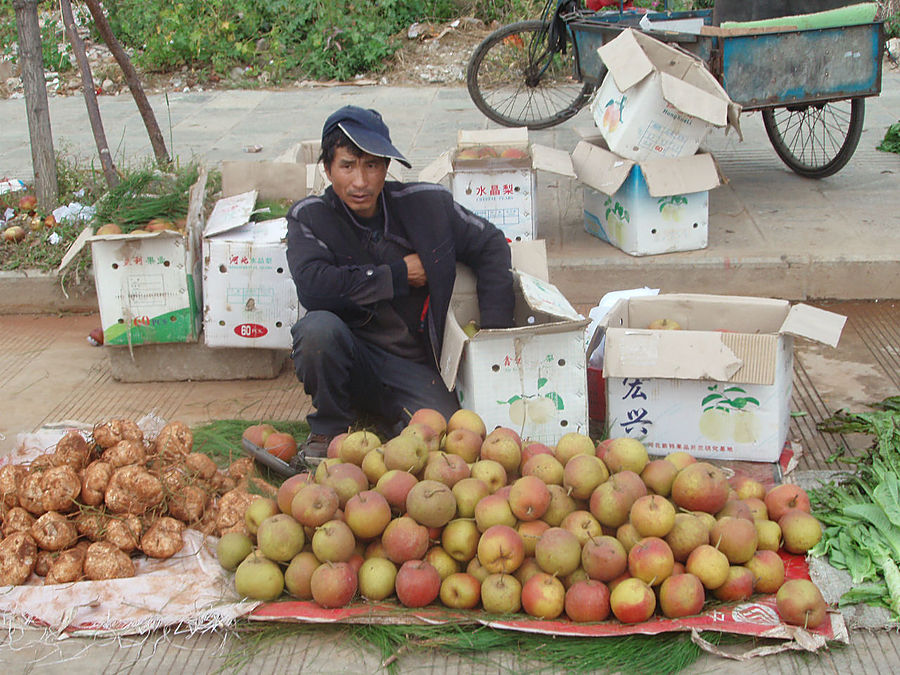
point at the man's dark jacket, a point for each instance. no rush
(333, 271)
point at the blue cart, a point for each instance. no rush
(810, 85)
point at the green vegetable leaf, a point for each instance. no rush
(891, 142)
(887, 496)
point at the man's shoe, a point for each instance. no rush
(311, 452)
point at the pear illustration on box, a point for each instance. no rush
(729, 415)
(536, 409)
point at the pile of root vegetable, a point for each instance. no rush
(83, 509)
(448, 513)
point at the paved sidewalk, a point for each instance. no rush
(771, 232)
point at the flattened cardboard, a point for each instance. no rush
(599, 168)
(649, 353)
(272, 180)
(682, 175)
(230, 212)
(815, 324)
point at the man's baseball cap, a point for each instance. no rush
(367, 131)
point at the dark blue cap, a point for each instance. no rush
(367, 131)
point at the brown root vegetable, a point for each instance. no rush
(240, 468)
(18, 555)
(61, 486)
(31, 494)
(124, 453)
(223, 483)
(41, 463)
(54, 532)
(17, 519)
(109, 433)
(124, 532)
(200, 465)
(175, 442)
(91, 525)
(104, 560)
(93, 483)
(188, 503)
(44, 562)
(73, 451)
(67, 567)
(10, 475)
(163, 539)
(133, 489)
(232, 507)
(207, 522)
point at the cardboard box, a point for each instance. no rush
(657, 206)
(719, 388)
(148, 285)
(499, 188)
(657, 101)
(531, 378)
(249, 297)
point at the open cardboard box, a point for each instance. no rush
(249, 297)
(148, 285)
(657, 101)
(656, 206)
(719, 388)
(499, 189)
(532, 377)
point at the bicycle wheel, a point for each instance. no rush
(514, 79)
(818, 139)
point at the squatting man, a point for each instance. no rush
(374, 262)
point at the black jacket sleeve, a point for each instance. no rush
(331, 270)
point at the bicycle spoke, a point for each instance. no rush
(515, 81)
(818, 139)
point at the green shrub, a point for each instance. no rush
(316, 38)
(55, 48)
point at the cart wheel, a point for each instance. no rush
(818, 139)
(516, 82)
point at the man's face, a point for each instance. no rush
(357, 180)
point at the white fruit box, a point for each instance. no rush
(656, 206)
(532, 377)
(720, 386)
(249, 297)
(657, 101)
(148, 285)
(501, 189)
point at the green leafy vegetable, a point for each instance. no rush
(891, 142)
(861, 510)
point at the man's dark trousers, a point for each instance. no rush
(346, 376)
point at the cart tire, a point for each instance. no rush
(510, 80)
(816, 140)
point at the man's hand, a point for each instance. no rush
(415, 273)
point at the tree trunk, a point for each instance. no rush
(37, 109)
(90, 96)
(133, 80)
